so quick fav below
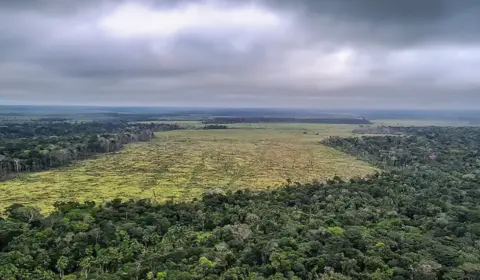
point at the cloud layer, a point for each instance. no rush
(310, 53)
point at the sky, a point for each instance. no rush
(362, 54)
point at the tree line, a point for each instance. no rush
(452, 150)
(339, 120)
(417, 219)
(36, 146)
(215, 126)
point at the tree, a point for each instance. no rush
(62, 264)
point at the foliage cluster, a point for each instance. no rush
(215, 126)
(451, 150)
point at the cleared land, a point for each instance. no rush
(183, 164)
(415, 122)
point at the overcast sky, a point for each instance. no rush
(272, 53)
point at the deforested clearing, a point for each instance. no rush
(181, 165)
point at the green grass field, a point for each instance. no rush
(184, 164)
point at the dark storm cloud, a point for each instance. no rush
(349, 53)
(392, 22)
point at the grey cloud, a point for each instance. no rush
(381, 22)
(114, 59)
(53, 52)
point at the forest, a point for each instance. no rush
(417, 219)
(34, 146)
(263, 119)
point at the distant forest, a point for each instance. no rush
(227, 120)
(417, 219)
(63, 113)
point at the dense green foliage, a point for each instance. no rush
(418, 220)
(33, 146)
(451, 150)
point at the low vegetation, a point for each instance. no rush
(183, 164)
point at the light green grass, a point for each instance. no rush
(183, 164)
(311, 128)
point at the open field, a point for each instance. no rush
(415, 122)
(185, 163)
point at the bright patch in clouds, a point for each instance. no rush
(131, 20)
(314, 67)
(441, 65)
